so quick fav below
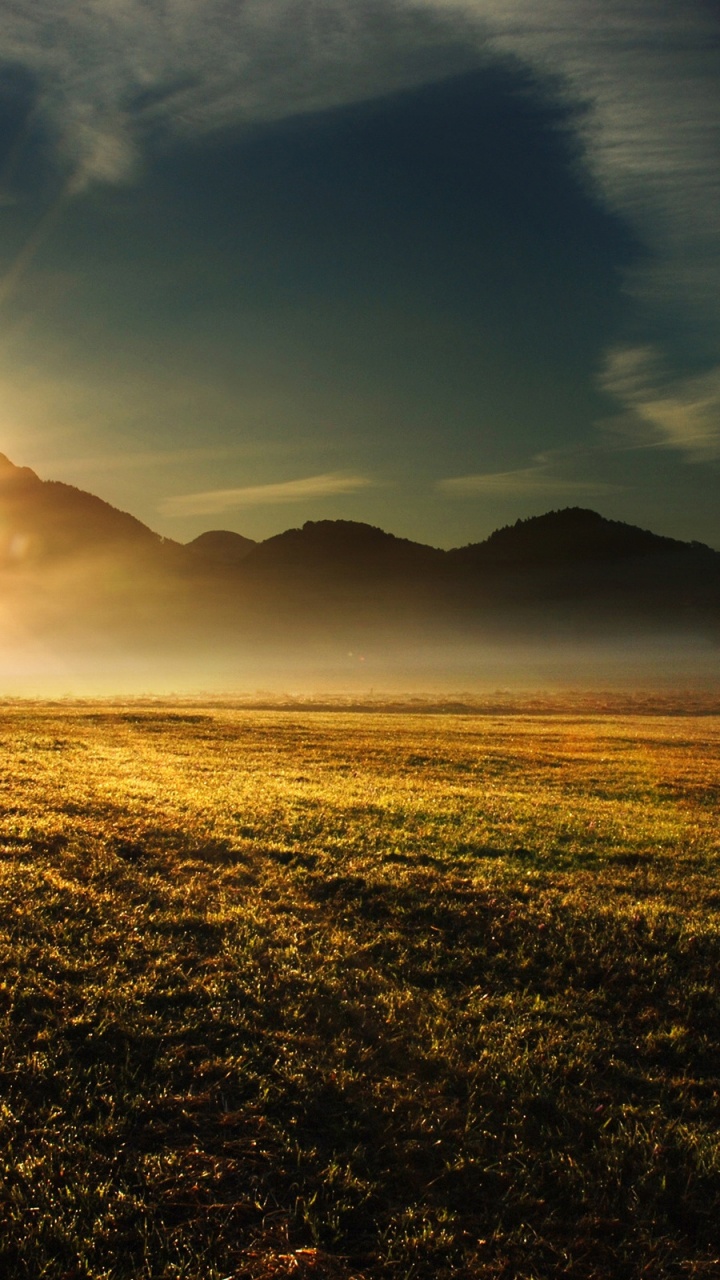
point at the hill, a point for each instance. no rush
(577, 566)
(331, 546)
(220, 547)
(46, 520)
(571, 534)
(73, 566)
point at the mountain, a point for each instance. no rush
(44, 521)
(570, 535)
(220, 548)
(71, 564)
(79, 576)
(339, 547)
(603, 573)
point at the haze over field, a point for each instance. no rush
(95, 601)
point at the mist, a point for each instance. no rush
(94, 603)
(38, 667)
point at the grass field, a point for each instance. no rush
(302, 993)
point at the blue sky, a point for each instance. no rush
(431, 265)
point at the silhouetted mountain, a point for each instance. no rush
(608, 572)
(45, 520)
(221, 547)
(341, 547)
(74, 561)
(572, 534)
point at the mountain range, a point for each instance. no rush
(72, 565)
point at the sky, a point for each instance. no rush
(435, 265)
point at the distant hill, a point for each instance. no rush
(74, 561)
(574, 567)
(45, 520)
(571, 534)
(341, 546)
(220, 547)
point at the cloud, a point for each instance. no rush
(523, 482)
(115, 74)
(115, 71)
(649, 74)
(674, 413)
(260, 495)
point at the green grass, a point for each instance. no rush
(296, 993)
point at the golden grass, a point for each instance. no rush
(303, 993)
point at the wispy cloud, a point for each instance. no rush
(113, 73)
(215, 501)
(114, 70)
(117, 72)
(671, 413)
(523, 482)
(648, 72)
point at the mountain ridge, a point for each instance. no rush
(569, 529)
(48, 519)
(573, 532)
(79, 560)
